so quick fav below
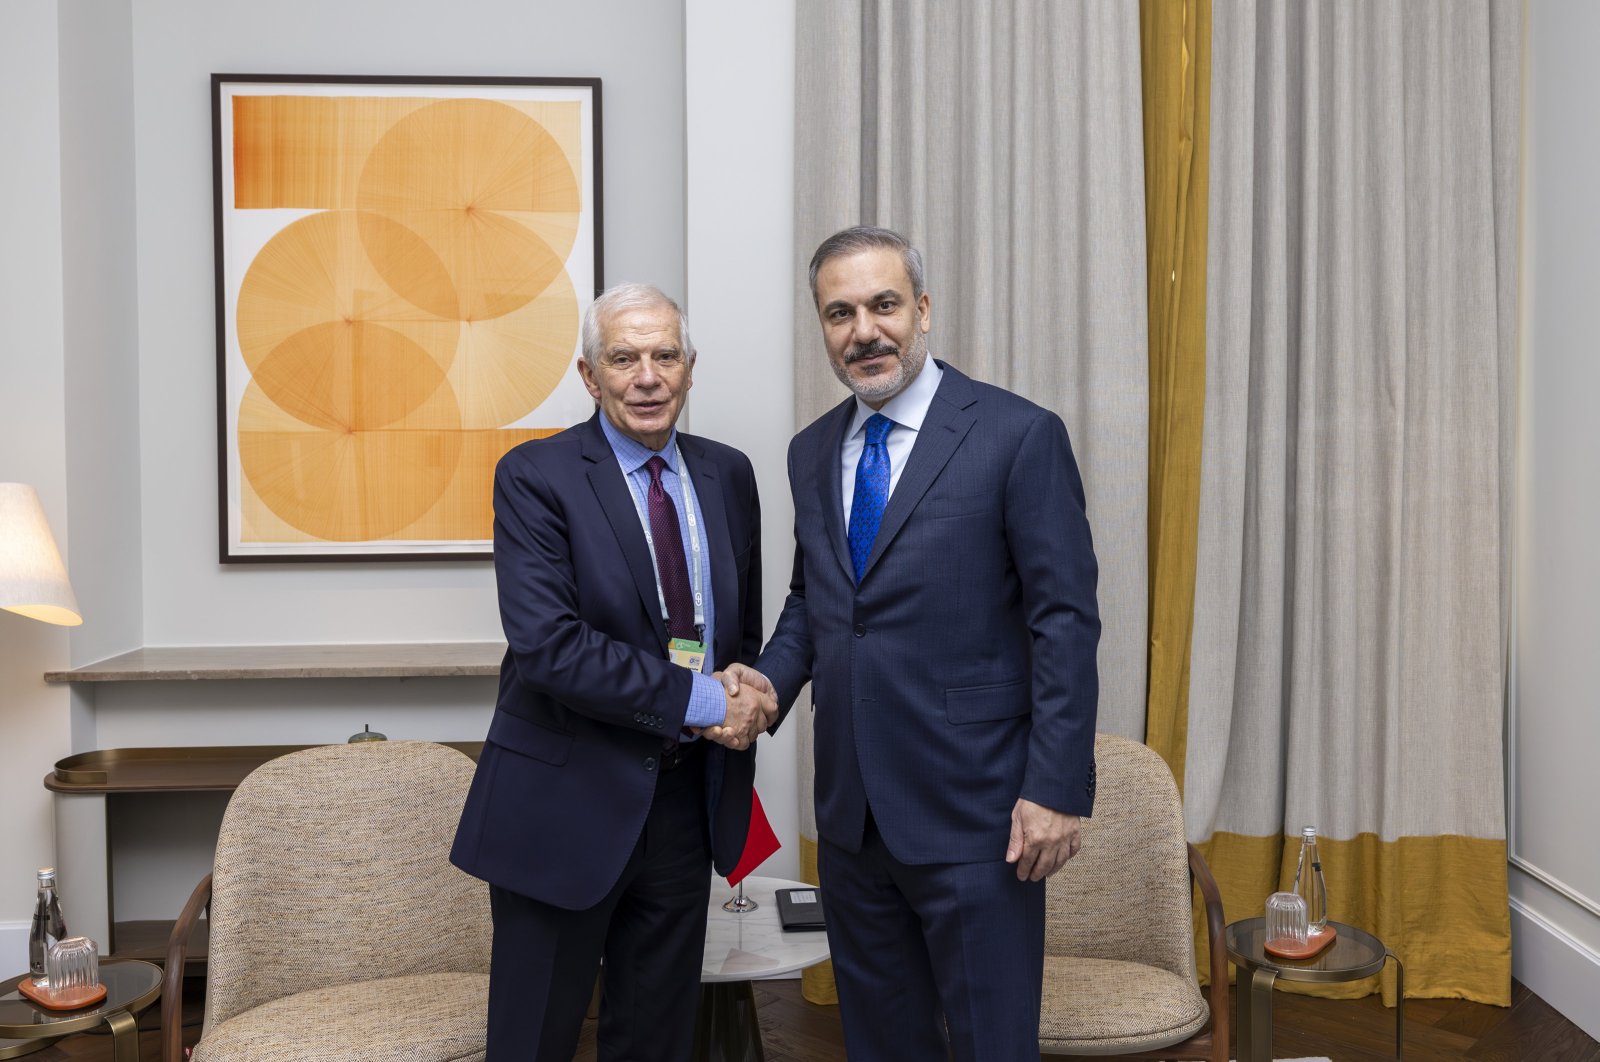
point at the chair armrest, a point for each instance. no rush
(172, 979)
(1216, 926)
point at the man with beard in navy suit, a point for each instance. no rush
(943, 609)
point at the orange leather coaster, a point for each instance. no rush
(62, 998)
(1289, 948)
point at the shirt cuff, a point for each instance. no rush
(708, 704)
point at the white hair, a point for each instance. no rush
(620, 299)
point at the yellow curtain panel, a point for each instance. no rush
(816, 982)
(1175, 42)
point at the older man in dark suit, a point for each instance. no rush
(943, 608)
(617, 771)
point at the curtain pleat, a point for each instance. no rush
(1175, 46)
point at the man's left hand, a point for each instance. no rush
(1042, 840)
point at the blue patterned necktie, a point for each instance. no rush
(871, 494)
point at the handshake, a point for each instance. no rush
(752, 707)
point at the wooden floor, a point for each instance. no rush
(1437, 1030)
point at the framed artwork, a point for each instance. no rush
(402, 266)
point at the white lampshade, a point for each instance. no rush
(33, 581)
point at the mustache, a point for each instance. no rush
(871, 350)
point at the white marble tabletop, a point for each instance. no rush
(750, 946)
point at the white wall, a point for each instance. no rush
(33, 717)
(741, 269)
(1554, 728)
(101, 350)
(635, 46)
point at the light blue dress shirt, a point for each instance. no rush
(707, 702)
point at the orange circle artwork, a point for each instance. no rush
(392, 335)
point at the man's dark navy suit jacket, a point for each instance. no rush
(587, 694)
(960, 674)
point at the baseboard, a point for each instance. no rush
(14, 945)
(1561, 970)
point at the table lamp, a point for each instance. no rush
(33, 581)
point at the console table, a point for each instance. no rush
(84, 781)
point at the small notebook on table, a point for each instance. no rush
(801, 909)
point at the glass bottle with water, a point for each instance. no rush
(48, 926)
(1308, 883)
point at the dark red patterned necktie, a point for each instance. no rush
(670, 565)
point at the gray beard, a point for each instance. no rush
(885, 385)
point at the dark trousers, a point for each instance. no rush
(925, 951)
(651, 929)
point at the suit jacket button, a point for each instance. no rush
(649, 763)
(861, 630)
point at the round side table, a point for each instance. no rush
(1354, 954)
(131, 986)
(741, 948)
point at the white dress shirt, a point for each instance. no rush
(907, 409)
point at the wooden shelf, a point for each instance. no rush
(148, 941)
(236, 662)
(201, 769)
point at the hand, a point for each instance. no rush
(742, 673)
(745, 717)
(1042, 840)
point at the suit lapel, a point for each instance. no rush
(949, 419)
(831, 483)
(704, 473)
(616, 501)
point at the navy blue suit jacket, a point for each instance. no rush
(960, 674)
(587, 694)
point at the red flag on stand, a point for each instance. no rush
(759, 843)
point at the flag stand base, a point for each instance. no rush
(740, 904)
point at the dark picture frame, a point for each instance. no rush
(402, 264)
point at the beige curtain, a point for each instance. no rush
(1004, 139)
(1348, 662)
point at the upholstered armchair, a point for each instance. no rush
(339, 929)
(1119, 975)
